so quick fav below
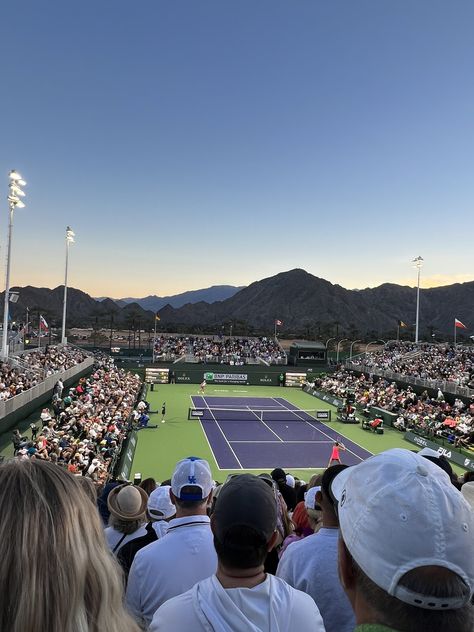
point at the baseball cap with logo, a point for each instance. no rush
(195, 473)
(160, 506)
(400, 497)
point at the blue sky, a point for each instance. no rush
(196, 143)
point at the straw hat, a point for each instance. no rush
(127, 502)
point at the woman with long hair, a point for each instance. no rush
(56, 573)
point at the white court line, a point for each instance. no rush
(324, 433)
(272, 441)
(266, 426)
(223, 434)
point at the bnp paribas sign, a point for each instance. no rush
(226, 378)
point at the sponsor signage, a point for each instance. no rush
(334, 401)
(323, 415)
(449, 452)
(197, 413)
(226, 378)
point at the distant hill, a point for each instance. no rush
(305, 302)
(155, 303)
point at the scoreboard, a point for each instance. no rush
(156, 376)
(295, 379)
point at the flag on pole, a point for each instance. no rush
(157, 317)
(402, 324)
(43, 324)
(278, 323)
(459, 324)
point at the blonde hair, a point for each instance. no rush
(56, 573)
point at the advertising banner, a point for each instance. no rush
(447, 451)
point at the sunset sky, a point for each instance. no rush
(193, 143)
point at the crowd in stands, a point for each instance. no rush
(385, 545)
(43, 362)
(52, 359)
(86, 424)
(433, 362)
(220, 350)
(429, 415)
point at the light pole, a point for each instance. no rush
(338, 348)
(14, 200)
(352, 344)
(373, 343)
(418, 262)
(69, 240)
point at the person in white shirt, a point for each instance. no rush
(185, 555)
(127, 505)
(241, 596)
(311, 563)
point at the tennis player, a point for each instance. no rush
(335, 454)
(202, 388)
(163, 412)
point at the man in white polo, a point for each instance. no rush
(185, 555)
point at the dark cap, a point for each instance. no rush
(245, 501)
(278, 474)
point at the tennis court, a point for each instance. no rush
(267, 432)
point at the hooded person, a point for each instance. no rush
(241, 596)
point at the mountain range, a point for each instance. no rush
(304, 303)
(154, 303)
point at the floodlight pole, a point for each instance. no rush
(338, 348)
(15, 193)
(418, 265)
(69, 240)
(352, 344)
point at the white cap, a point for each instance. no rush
(160, 506)
(467, 490)
(398, 512)
(310, 497)
(290, 480)
(429, 452)
(194, 472)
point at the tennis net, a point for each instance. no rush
(264, 415)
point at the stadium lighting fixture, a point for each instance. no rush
(339, 348)
(352, 344)
(14, 201)
(373, 343)
(418, 264)
(70, 234)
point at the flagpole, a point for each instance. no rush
(398, 332)
(39, 332)
(275, 323)
(154, 340)
(454, 332)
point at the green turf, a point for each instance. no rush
(158, 450)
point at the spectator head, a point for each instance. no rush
(160, 506)
(313, 509)
(45, 510)
(127, 505)
(325, 498)
(191, 486)
(149, 484)
(279, 475)
(406, 558)
(290, 480)
(244, 522)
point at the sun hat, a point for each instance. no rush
(127, 502)
(400, 497)
(245, 500)
(192, 472)
(160, 506)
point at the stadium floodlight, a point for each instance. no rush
(374, 342)
(70, 234)
(352, 344)
(418, 264)
(14, 201)
(339, 348)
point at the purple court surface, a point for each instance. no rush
(284, 436)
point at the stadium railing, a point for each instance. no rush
(443, 385)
